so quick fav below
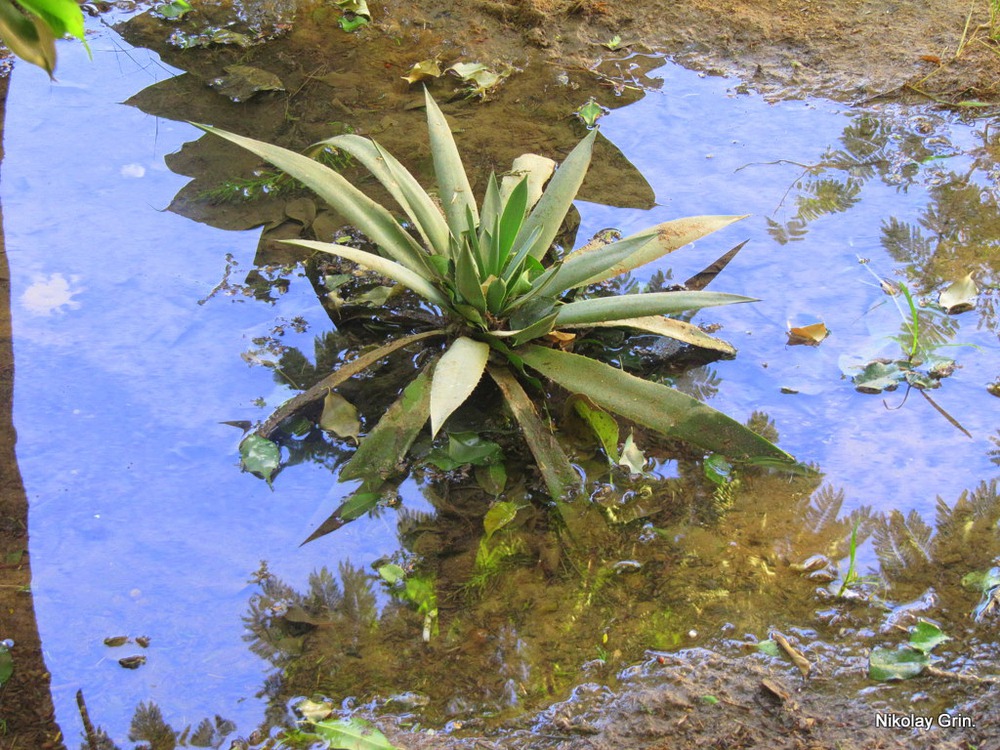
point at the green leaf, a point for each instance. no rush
(900, 664)
(769, 647)
(356, 505)
(535, 330)
(468, 279)
(512, 218)
(960, 296)
(924, 636)
(656, 406)
(603, 309)
(632, 458)
(492, 478)
(402, 186)
(260, 456)
(590, 113)
(454, 190)
(401, 274)
(662, 239)
(455, 378)
(28, 37)
(603, 425)
(551, 209)
(352, 24)
(351, 734)
(357, 208)
(878, 377)
(718, 470)
(340, 416)
(391, 573)
(465, 448)
(679, 330)
(6, 665)
(381, 450)
(498, 516)
(61, 16)
(557, 472)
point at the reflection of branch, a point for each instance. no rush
(945, 414)
(331, 381)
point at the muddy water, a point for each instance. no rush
(142, 524)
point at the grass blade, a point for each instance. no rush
(652, 405)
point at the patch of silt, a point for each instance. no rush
(640, 618)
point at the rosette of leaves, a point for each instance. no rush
(484, 268)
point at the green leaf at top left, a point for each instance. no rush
(28, 37)
(260, 456)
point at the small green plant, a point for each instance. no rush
(485, 271)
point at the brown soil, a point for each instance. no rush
(845, 49)
(853, 50)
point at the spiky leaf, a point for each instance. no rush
(656, 406)
(455, 378)
(602, 309)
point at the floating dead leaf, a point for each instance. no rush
(244, 81)
(561, 339)
(423, 70)
(302, 210)
(340, 417)
(960, 296)
(795, 655)
(810, 335)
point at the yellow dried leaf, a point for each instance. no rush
(423, 70)
(809, 335)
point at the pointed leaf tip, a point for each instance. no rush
(456, 376)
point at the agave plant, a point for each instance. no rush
(486, 270)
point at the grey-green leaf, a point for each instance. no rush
(453, 183)
(356, 207)
(551, 209)
(339, 416)
(456, 376)
(602, 309)
(656, 406)
(402, 185)
(381, 450)
(384, 266)
(896, 664)
(557, 472)
(678, 330)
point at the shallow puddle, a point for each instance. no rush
(139, 332)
